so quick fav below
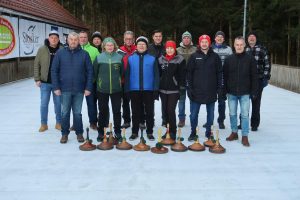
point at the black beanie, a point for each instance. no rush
(97, 34)
(252, 33)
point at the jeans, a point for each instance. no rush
(195, 107)
(181, 105)
(71, 100)
(221, 110)
(46, 90)
(244, 101)
(91, 102)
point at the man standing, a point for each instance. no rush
(186, 49)
(263, 66)
(204, 76)
(42, 77)
(72, 77)
(126, 50)
(91, 100)
(240, 82)
(97, 40)
(223, 51)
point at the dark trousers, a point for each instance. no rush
(91, 102)
(221, 110)
(103, 99)
(140, 99)
(168, 106)
(255, 116)
(126, 107)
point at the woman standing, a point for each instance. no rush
(172, 77)
(108, 68)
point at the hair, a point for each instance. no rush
(156, 31)
(73, 34)
(239, 38)
(84, 32)
(128, 33)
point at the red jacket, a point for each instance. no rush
(126, 52)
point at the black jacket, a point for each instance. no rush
(172, 73)
(156, 50)
(240, 75)
(204, 76)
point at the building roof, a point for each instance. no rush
(45, 9)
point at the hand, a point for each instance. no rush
(57, 92)
(38, 83)
(87, 93)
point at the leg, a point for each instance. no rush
(45, 98)
(181, 105)
(245, 106)
(115, 99)
(232, 104)
(92, 108)
(171, 114)
(57, 107)
(136, 105)
(66, 103)
(221, 110)
(103, 100)
(126, 108)
(149, 108)
(195, 107)
(77, 99)
(255, 116)
(210, 109)
(164, 99)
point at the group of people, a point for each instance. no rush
(138, 73)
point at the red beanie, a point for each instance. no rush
(204, 37)
(170, 43)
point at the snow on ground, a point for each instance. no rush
(35, 165)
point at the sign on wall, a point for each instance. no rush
(9, 41)
(32, 36)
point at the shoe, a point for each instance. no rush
(150, 137)
(93, 126)
(204, 125)
(133, 136)
(232, 136)
(100, 138)
(221, 125)
(245, 141)
(239, 126)
(64, 139)
(192, 137)
(80, 138)
(58, 126)
(142, 126)
(72, 128)
(43, 128)
(210, 142)
(254, 128)
(181, 123)
(126, 125)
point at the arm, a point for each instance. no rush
(55, 71)
(253, 78)
(225, 76)
(267, 64)
(156, 76)
(89, 74)
(37, 68)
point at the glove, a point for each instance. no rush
(156, 95)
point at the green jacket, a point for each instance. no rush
(108, 69)
(42, 63)
(92, 51)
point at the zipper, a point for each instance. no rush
(110, 85)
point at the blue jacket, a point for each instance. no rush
(142, 73)
(72, 70)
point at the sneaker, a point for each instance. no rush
(142, 126)
(221, 125)
(239, 126)
(100, 138)
(93, 126)
(126, 125)
(181, 123)
(64, 139)
(72, 128)
(80, 138)
(254, 128)
(150, 137)
(58, 126)
(43, 128)
(192, 137)
(133, 136)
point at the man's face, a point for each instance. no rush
(252, 40)
(186, 41)
(109, 47)
(73, 41)
(141, 47)
(128, 40)
(53, 40)
(83, 39)
(97, 41)
(157, 38)
(239, 45)
(219, 39)
(204, 45)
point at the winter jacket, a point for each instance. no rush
(156, 50)
(72, 70)
(142, 73)
(93, 51)
(108, 69)
(42, 62)
(185, 51)
(240, 77)
(172, 73)
(204, 74)
(126, 52)
(222, 50)
(262, 59)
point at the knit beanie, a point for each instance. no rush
(186, 34)
(220, 33)
(97, 34)
(170, 43)
(204, 37)
(142, 39)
